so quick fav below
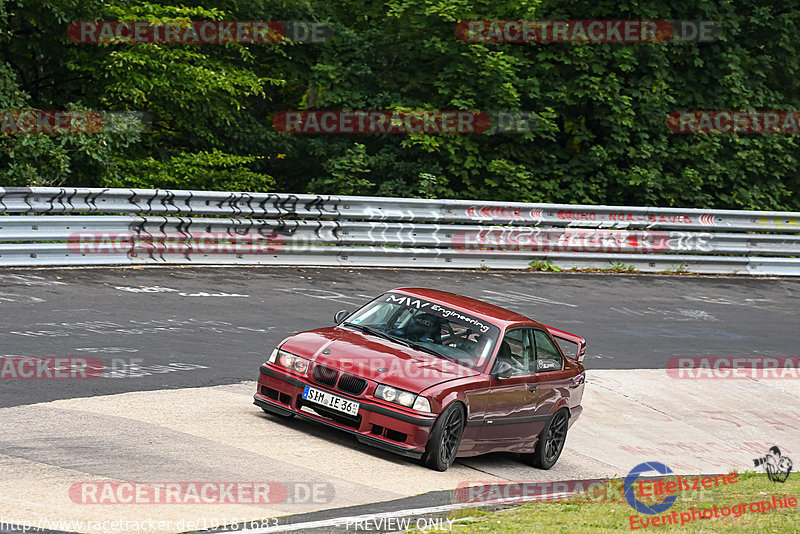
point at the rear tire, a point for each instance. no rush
(445, 438)
(551, 441)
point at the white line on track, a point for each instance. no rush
(340, 521)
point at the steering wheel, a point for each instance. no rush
(463, 342)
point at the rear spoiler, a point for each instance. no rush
(561, 335)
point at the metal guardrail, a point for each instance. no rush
(203, 227)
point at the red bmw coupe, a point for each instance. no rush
(433, 375)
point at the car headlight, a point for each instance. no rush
(289, 360)
(386, 393)
(403, 398)
(406, 399)
(422, 404)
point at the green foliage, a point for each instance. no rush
(197, 170)
(432, 186)
(680, 268)
(620, 267)
(541, 265)
(601, 108)
(346, 175)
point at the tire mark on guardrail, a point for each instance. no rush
(168, 200)
(290, 199)
(132, 200)
(70, 197)
(250, 204)
(319, 203)
(137, 229)
(27, 199)
(150, 200)
(57, 198)
(228, 200)
(188, 202)
(186, 236)
(162, 228)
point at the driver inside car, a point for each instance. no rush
(505, 354)
(423, 327)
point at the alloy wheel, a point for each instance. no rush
(554, 441)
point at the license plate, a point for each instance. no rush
(333, 402)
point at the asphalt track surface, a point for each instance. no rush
(211, 326)
(180, 348)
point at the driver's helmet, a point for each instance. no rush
(424, 327)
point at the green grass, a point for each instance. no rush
(541, 265)
(615, 267)
(574, 516)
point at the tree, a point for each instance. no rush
(600, 134)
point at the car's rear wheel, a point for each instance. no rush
(551, 441)
(445, 438)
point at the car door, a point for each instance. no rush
(511, 404)
(551, 379)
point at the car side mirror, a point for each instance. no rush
(340, 316)
(502, 370)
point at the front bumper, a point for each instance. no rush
(376, 425)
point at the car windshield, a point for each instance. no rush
(451, 334)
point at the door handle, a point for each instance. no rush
(532, 388)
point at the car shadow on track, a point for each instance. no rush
(336, 437)
(482, 463)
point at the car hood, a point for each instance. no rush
(375, 358)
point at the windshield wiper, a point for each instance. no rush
(373, 331)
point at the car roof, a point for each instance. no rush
(495, 314)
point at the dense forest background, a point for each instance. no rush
(601, 136)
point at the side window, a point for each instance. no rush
(547, 356)
(515, 349)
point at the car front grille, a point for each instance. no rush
(325, 375)
(352, 384)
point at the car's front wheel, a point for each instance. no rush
(445, 438)
(551, 441)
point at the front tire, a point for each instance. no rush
(445, 438)
(551, 441)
